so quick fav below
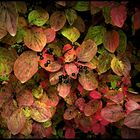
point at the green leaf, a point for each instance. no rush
(71, 33)
(95, 33)
(106, 14)
(20, 35)
(123, 42)
(138, 85)
(38, 17)
(71, 15)
(113, 84)
(103, 66)
(81, 6)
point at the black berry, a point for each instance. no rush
(41, 57)
(46, 64)
(48, 61)
(73, 74)
(85, 67)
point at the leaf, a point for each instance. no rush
(9, 16)
(70, 55)
(50, 34)
(26, 66)
(113, 113)
(88, 81)
(111, 40)
(69, 133)
(118, 15)
(50, 98)
(35, 39)
(52, 67)
(102, 65)
(16, 121)
(27, 129)
(121, 67)
(96, 34)
(132, 120)
(86, 51)
(21, 7)
(57, 20)
(136, 19)
(71, 69)
(54, 77)
(25, 98)
(106, 14)
(40, 112)
(131, 105)
(81, 6)
(63, 89)
(3, 31)
(7, 59)
(71, 15)
(128, 133)
(71, 33)
(123, 42)
(80, 103)
(91, 107)
(38, 17)
(95, 94)
(79, 24)
(70, 113)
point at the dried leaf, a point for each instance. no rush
(35, 39)
(26, 66)
(86, 51)
(57, 20)
(50, 34)
(70, 55)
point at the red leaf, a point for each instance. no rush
(71, 69)
(25, 98)
(50, 34)
(118, 15)
(112, 113)
(57, 20)
(67, 47)
(111, 40)
(95, 94)
(70, 113)
(131, 105)
(80, 103)
(54, 77)
(136, 20)
(133, 119)
(91, 107)
(69, 133)
(70, 55)
(86, 51)
(26, 66)
(35, 38)
(16, 121)
(88, 81)
(63, 89)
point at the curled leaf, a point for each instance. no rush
(86, 51)
(26, 66)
